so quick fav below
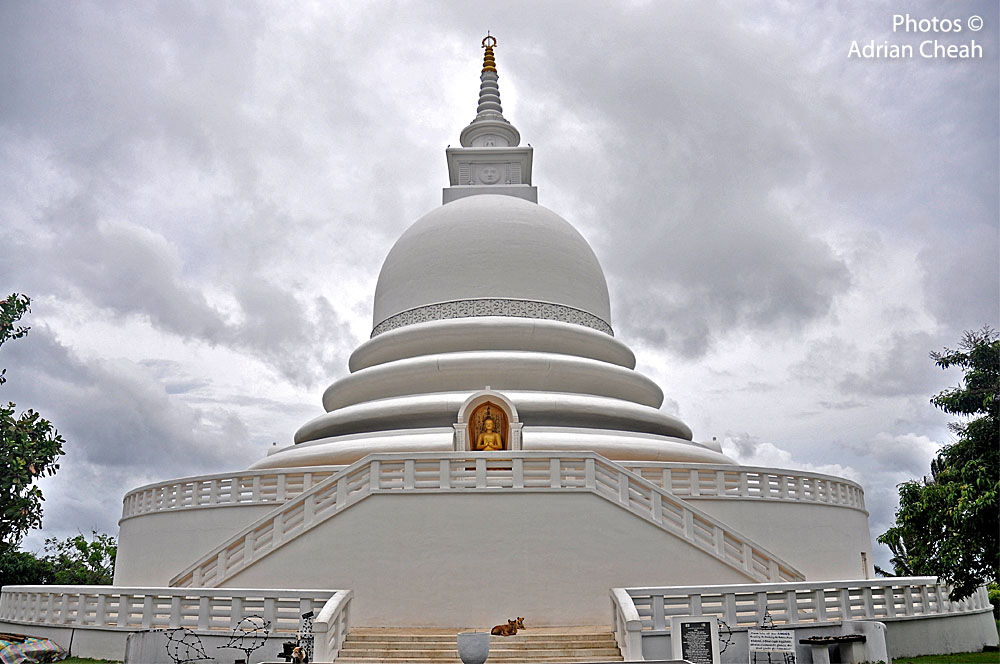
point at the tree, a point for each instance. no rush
(29, 446)
(948, 524)
(72, 561)
(76, 561)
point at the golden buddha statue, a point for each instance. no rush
(489, 440)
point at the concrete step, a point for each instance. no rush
(455, 659)
(495, 644)
(570, 644)
(494, 652)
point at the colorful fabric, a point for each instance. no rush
(32, 651)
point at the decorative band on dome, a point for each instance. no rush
(493, 307)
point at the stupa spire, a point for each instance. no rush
(489, 161)
(489, 90)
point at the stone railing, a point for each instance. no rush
(488, 472)
(789, 604)
(245, 488)
(681, 479)
(721, 481)
(331, 626)
(203, 609)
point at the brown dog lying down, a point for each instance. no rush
(299, 655)
(510, 629)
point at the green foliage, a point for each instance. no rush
(72, 561)
(948, 524)
(23, 568)
(29, 445)
(77, 561)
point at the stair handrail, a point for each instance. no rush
(331, 626)
(467, 471)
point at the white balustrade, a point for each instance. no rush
(722, 481)
(484, 471)
(121, 608)
(245, 488)
(331, 626)
(789, 604)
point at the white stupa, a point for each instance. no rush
(494, 307)
(493, 453)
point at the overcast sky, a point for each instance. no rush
(198, 198)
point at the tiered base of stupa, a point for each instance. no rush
(472, 538)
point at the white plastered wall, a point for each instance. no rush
(824, 542)
(474, 560)
(153, 548)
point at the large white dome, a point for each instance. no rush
(492, 247)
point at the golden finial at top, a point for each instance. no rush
(489, 63)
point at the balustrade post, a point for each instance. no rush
(846, 611)
(480, 473)
(174, 620)
(517, 470)
(269, 609)
(280, 487)
(744, 484)
(341, 501)
(590, 473)
(889, 593)
(203, 612)
(659, 611)
(124, 609)
(308, 510)
(729, 602)
(820, 599)
(248, 544)
(101, 610)
(222, 565)
(868, 603)
(147, 611)
(695, 482)
(374, 475)
(555, 477)
(81, 609)
(689, 524)
(668, 480)
(409, 480)
(623, 494)
(747, 556)
(694, 602)
(63, 608)
(792, 599)
(656, 505)
(236, 612)
(444, 473)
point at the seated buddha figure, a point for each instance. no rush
(489, 440)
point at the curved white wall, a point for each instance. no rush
(492, 333)
(152, 548)
(501, 370)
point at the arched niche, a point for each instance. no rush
(473, 414)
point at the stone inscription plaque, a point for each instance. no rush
(696, 642)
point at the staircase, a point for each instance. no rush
(378, 645)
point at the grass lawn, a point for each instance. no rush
(960, 658)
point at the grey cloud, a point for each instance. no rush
(115, 415)
(900, 368)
